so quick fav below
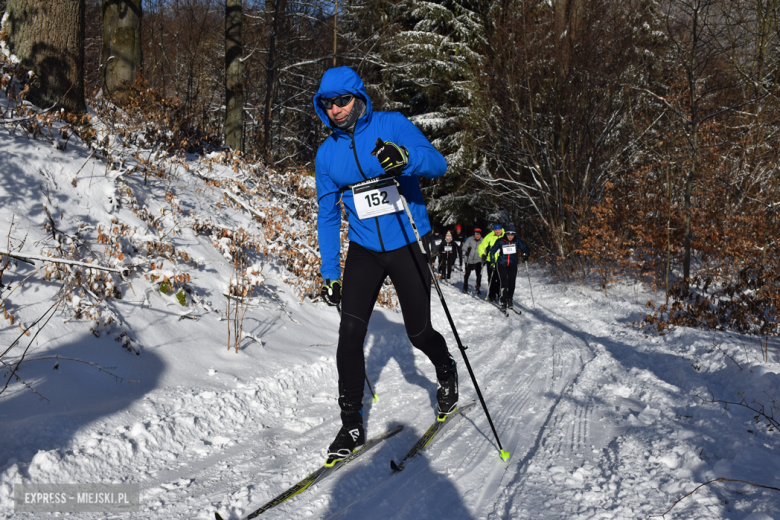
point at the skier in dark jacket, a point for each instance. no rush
(507, 250)
(459, 239)
(436, 241)
(448, 253)
(381, 239)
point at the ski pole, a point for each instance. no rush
(490, 282)
(504, 454)
(529, 283)
(376, 397)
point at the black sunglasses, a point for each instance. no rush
(340, 101)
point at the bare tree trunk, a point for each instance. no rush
(688, 209)
(335, 33)
(48, 37)
(121, 55)
(693, 106)
(270, 70)
(234, 76)
(568, 15)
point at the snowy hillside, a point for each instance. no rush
(602, 420)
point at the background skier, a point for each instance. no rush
(473, 260)
(435, 242)
(448, 253)
(459, 239)
(484, 253)
(506, 251)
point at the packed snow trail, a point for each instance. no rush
(525, 366)
(600, 420)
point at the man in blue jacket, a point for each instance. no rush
(381, 240)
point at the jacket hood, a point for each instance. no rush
(338, 81)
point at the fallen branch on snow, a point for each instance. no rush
(41, 258)
(708, 483)
(244, 205)
(95, 365)
(773, 423)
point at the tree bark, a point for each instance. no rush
(693, 106)
(270, 69)
(48, 37)
(121, 56)
(234, 77)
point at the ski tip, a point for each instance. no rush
(218, 516)
(394, 466)
(376, 398)
(504, 455)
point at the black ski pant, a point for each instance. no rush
(477, 268)
(494, 286)
(507, 274)
(446, 261)
(364, 273)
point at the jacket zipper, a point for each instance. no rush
(376, 219)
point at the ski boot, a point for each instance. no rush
(447, 389)
(350, 436)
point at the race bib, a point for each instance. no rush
(447, 249)
(375, 198)
(509, 250)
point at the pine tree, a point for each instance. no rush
(429, 74)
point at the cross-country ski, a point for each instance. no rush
(328, 469)
(435, 431)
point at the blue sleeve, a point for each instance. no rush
(328, 223)
(424, 159)
(523, 247)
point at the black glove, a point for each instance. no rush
(331, 292)
(392, 157)
(525, 257)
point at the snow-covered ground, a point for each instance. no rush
(602, 420)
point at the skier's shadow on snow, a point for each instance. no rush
(78, 395)
(388, 341)
(370, 490)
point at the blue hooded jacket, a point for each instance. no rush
(345, 158)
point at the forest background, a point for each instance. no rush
(626, 139)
